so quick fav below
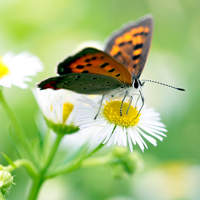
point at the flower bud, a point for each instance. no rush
(124, 162)
(6, 181)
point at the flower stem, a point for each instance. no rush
(46, 144)
(99, 161)
(52, 152)
(37, 182)
(76, 164)
(22, 162)
(19, 131)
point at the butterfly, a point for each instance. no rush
(116, 70)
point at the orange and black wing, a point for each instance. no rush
(130, 45)
(94, 61)
(90, 71)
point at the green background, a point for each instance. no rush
(52, 30)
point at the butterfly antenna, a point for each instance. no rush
(144, 80)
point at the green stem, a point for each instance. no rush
(52, 152)
(22, 163)
(19, 131)
(72, 166)
(37, 182)
(99, 161)
(76, 164)
(46, 144)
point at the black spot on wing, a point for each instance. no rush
(85, 71)
(121, 44)
(104, 65)
(138, 46)
(79, 66)
(111, 70)
(118, 54)
(117, 75)
(136, 57)
(134, 66)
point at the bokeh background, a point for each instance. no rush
(54, 29)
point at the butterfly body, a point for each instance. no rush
(113, 71)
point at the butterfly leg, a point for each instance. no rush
(123, 102)
(101, 102)
(140, 93)
(142, 98)
(137, 100)
(131, 99)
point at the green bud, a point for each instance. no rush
(6, 181)
(124, 162)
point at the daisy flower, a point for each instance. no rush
(122, 130)
(15, 69)
(57, 109)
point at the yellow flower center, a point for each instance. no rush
(67, 109)
(3, 69)
(112, 113)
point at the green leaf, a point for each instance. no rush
(10, 162)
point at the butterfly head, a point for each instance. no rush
(137, 84)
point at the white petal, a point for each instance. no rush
(134, 137)
(150, 139)
(92, 123)
(130, 142)
(107, 130)
(152, 132)
(155, 127)
(111, 139)
(124, 137)
(117, 134)
(108, 135)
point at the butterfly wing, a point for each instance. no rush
(82, 83)
(94, 61)
(130, 45)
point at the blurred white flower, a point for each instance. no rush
(57, 108)
(90, 43)
(122, 130)
(15, 69)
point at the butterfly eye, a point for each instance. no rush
(136, 84)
